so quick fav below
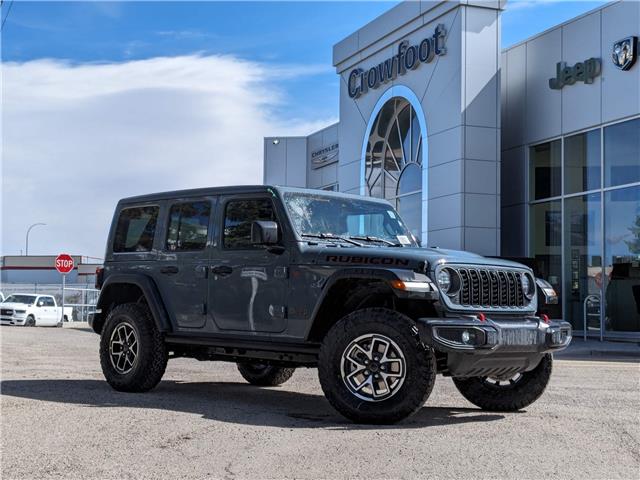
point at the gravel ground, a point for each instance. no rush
(60, 419)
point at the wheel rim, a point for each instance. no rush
(373, 367)
(123, 348)
(502, 383)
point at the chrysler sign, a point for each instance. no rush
(324, 156)
(409, 57)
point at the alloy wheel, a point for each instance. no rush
(123, 348)
(373, 367)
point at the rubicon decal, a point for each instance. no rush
(356, 259)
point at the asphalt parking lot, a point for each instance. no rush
(61, 420)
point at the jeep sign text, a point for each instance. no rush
(581, 72)
(409, 57)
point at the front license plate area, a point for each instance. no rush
(519, 336)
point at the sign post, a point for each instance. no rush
(64, 264)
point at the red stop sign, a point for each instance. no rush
(64, 263)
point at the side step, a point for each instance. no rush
(236, 350)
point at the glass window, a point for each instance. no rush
(622, 153)
(188, 226)
(48, 301)
(319, 214)
(583, 260)
(622, 259)
(410, 209)
(546, 246)
(135, 229)
(582, 162)
(545, 170)
(239, 216)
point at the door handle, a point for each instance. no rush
(169, 270)
(221, 270)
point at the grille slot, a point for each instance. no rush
(6, 311)
(489, 288)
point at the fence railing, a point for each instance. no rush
(81, 297)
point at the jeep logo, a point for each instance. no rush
(367, 260)
(581, 72)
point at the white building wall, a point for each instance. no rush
(459, 94)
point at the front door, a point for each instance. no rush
(181, 269)
(247, 283)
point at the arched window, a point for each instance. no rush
(393, 163)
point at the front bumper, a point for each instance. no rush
(495, 346)
(12, 320)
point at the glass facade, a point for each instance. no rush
(393, 166)
(584, 218)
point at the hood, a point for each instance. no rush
(401, 257)
(14, 305)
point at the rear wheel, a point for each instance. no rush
(507, 394)
(264, 375)
(133, 354)
(373, 368)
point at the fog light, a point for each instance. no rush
(466, 336)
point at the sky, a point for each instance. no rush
(102, 100)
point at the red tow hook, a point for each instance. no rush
(545, 318)
(481, 317)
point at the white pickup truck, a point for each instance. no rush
(29, 310)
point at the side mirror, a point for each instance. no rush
(264, 232)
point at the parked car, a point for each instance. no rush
(30, 310)
(275, 278)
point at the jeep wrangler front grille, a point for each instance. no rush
(488, 288)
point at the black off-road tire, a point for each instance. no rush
(264, 375)
(510, 397)
(419, 360)
(152, 356)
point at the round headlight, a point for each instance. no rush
(527, 285)
(444, 280)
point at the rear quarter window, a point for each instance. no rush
(136, 229)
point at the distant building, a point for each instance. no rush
(41, 269)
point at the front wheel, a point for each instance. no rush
(31, 321)
(373, 368)
(264, 375)
(507, 394)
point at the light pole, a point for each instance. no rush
(26, 247)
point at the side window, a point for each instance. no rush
(239, 214)
(188, 226)
(48, 302)
(135, 230)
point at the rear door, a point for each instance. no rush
(181, 268)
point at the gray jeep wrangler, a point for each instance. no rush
(276, 278)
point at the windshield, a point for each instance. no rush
(328, 216)
(26, 299)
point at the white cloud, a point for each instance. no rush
(76, 138)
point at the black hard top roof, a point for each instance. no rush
(232, 190)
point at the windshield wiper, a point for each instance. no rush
(331, 236)
(371, 238)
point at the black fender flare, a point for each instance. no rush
(385, 275)
(150, 292)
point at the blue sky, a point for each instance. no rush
(102, 101)
(270, 32)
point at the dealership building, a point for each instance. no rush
(531, 152)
